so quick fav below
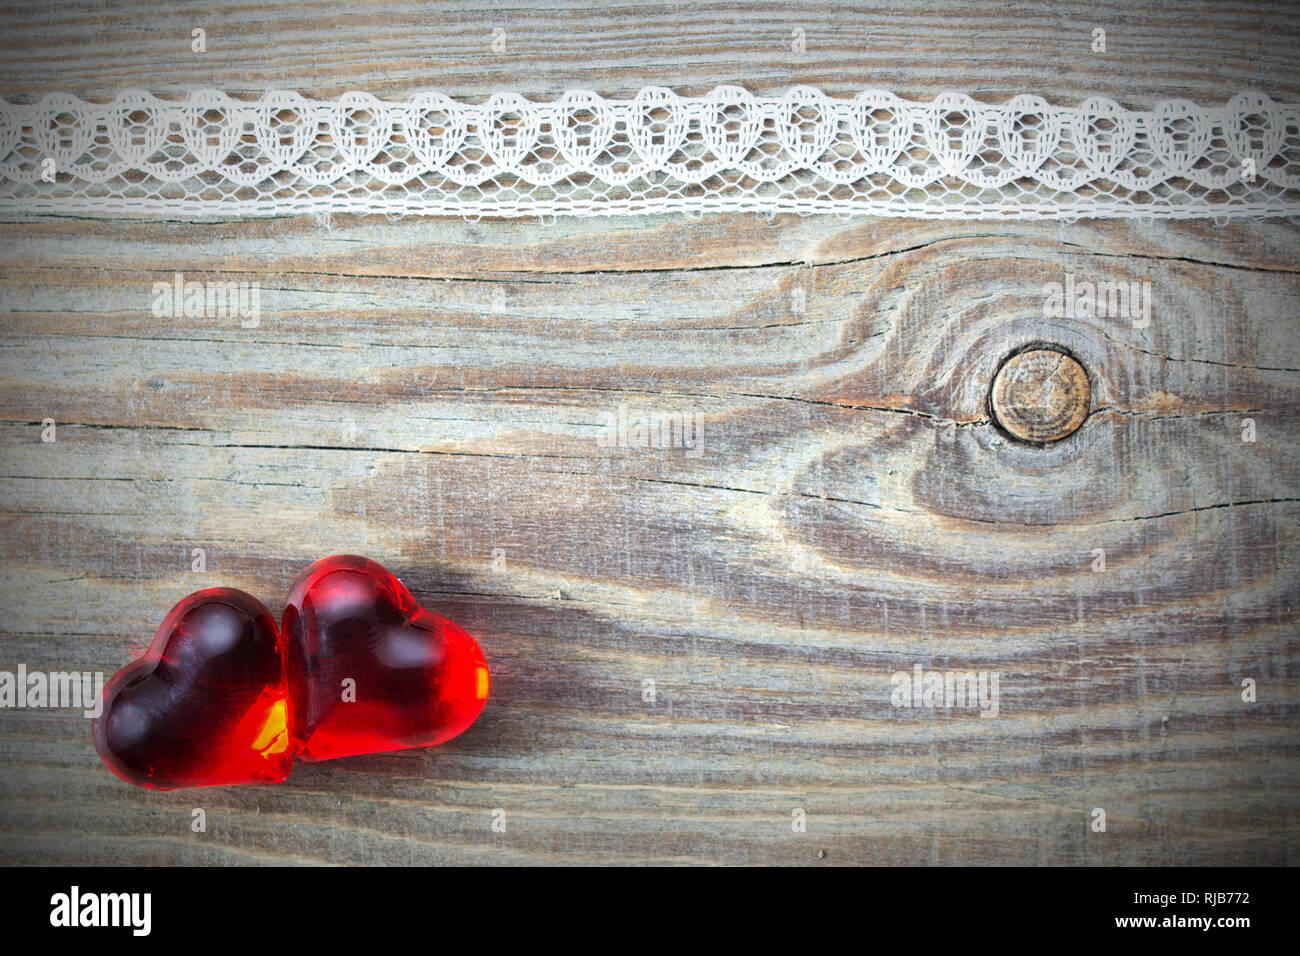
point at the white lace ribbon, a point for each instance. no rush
(583, 155)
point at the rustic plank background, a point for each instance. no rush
(425, 391)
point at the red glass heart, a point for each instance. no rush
(369, 669)
(208, 703)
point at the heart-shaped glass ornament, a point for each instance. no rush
(208, 703)
(370, 670)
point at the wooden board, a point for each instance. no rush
(431, 394)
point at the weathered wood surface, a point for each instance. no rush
(426, 392)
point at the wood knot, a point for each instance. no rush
(1041, 395)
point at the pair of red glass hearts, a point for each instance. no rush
(223, 696)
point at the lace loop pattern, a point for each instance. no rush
(583, 154)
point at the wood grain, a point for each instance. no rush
(915, 47)
(435, 395)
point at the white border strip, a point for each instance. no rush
(584, 155)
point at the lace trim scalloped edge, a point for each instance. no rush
(584, 155)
